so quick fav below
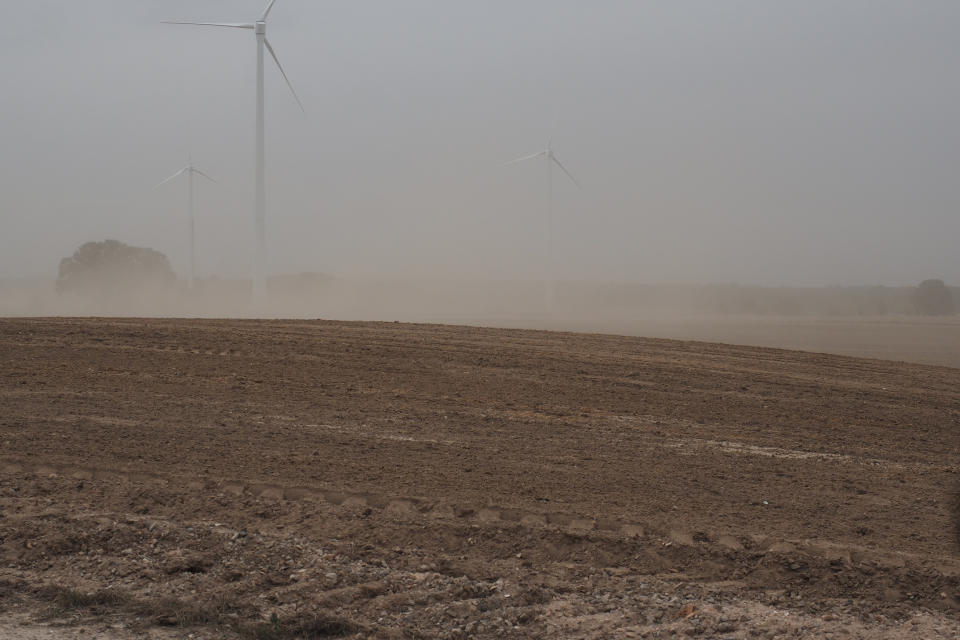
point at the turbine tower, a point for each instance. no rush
(551, 159)
(260, 196)
(189, 170)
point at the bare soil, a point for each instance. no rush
(273, 480)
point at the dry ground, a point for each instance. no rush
(273, 480)
(917, 339)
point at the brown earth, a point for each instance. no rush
(269, 479)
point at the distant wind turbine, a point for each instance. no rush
(260, 29)
(551, 159)
(189, 170)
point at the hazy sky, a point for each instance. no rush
(806, 142)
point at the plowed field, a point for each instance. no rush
(271, 479)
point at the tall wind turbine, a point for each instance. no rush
(189, 170)
(260, 30)
(551, 159)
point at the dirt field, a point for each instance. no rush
(917, 339)
(272, 480)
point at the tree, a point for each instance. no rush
(933, 298)
(113, 268)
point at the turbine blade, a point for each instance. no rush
(529, 157)
(569, 175)
(235, 25)
(284, 74)
(263, 18)
(197, 171)
(178, 173)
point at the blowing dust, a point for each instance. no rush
(874, 322)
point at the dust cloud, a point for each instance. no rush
(802, 150)
(876, 322)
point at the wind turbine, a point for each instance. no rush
(189, 170)
(260, 30)
(551, 159)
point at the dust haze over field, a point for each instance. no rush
(803, 145)
(799, 143)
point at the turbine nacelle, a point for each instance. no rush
(551, 160)
(260, 29)
(187, 170)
